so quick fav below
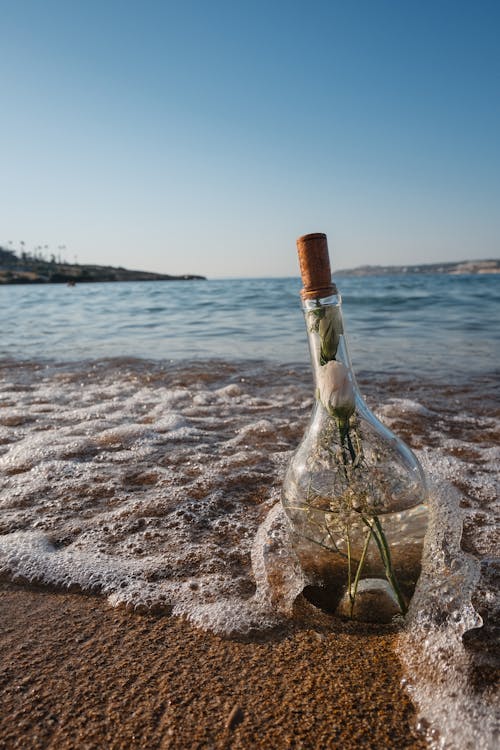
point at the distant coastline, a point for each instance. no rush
(37, 270)
(453, 269)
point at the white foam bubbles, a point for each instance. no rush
(144, 490)
(158, 488)
(453, 715)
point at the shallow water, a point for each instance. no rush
(412, 323)
(155, 482)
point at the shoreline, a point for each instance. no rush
(76, 673)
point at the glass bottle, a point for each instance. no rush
(354, 493)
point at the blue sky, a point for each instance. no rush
(204, 137)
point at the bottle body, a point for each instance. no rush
(354, 493)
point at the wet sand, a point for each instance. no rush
(75, 673)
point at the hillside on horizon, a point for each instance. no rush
(37, 269)
(486, 266)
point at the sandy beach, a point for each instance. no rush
(75, 673)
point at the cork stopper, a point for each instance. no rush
(315, 266)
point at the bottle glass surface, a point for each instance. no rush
(354, 493)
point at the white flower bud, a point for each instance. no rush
(336, 392)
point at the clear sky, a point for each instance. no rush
(205, 136)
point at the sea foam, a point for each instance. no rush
(158, 487)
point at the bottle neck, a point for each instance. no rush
(325, 332)
(335, 385)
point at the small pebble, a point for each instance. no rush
(234, 718)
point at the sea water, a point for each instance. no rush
(145, 429)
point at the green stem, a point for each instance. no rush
(352, 596)
(352, 452)
(342, 435)
(349, 567)
(380, 539)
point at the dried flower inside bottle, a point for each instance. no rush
(354, 493)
